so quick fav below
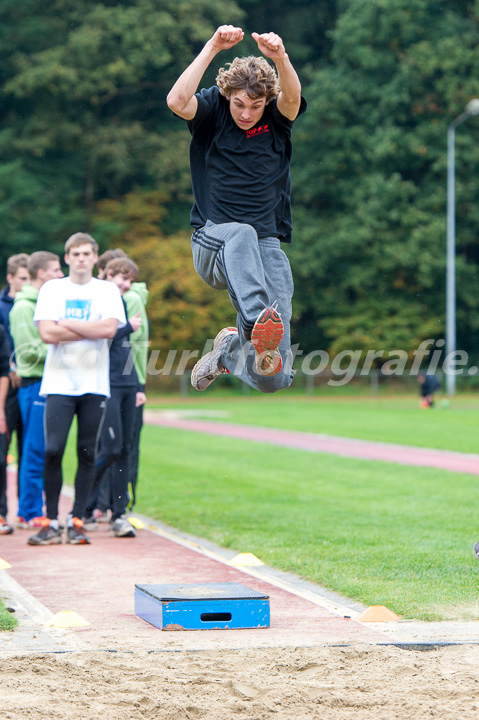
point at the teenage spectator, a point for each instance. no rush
(17, 275)
(136, 299)
(125, 394)
(30, 353)
(105, 258)
(5, 527)
(76, 316)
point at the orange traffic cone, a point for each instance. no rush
(377, 613)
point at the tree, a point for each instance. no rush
(370, 178)
(84, 115)
(183, 311)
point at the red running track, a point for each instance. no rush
(314, 442)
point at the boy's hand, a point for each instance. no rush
(140, 399)
(270, 45)
(226, 37)
(135, 321)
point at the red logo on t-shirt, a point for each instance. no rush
(257, 131)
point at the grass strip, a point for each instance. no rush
(394, 419)
(379, 533)
(7, 620)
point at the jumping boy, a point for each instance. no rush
(240, 169)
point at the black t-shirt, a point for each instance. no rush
(241, 175)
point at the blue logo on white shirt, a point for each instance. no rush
(78, 309)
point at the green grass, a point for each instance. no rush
(379, 533)
(7, 620)
(391, 419)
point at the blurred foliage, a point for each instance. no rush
(87, 142)
(370, 178)
(182, 310)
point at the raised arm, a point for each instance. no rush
(289, 99)
(181, 98)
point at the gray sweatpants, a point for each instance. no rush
(256, 272)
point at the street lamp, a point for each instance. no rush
(472, 108)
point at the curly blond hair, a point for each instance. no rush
(252, 74)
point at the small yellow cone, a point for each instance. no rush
(245, 559)
(137, 523)
(4, 565)
(66, 619)
(377, 613)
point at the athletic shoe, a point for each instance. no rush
(48, 535)
(75, 532)
(23, 524)
(5, 528)
(100, 516)
(209, 367)
(90, 523)
(122, 528)
(476, 550)
(266, 337)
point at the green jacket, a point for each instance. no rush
(136, 299)
(30, 350)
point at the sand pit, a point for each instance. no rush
(360, 682)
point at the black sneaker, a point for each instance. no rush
(48, 535)
(76, 533)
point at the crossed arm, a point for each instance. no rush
(181, 98)
(54, 332)
(4, 385)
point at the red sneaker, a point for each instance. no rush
(36, 522)
(266, 337)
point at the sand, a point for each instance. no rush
(357, 682)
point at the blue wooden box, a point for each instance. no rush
(209, 606)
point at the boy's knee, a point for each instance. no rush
(270, 385)
(242, 230)
(86, 456)
(53, 457)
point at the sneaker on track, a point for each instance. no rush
(100, 515)
(76, 533)
(266, 337)
(90, 523)
(209, 367)
(23, 524)
(122, 528)
(48, 535)
(5, 528)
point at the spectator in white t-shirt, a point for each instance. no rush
(76, 316)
